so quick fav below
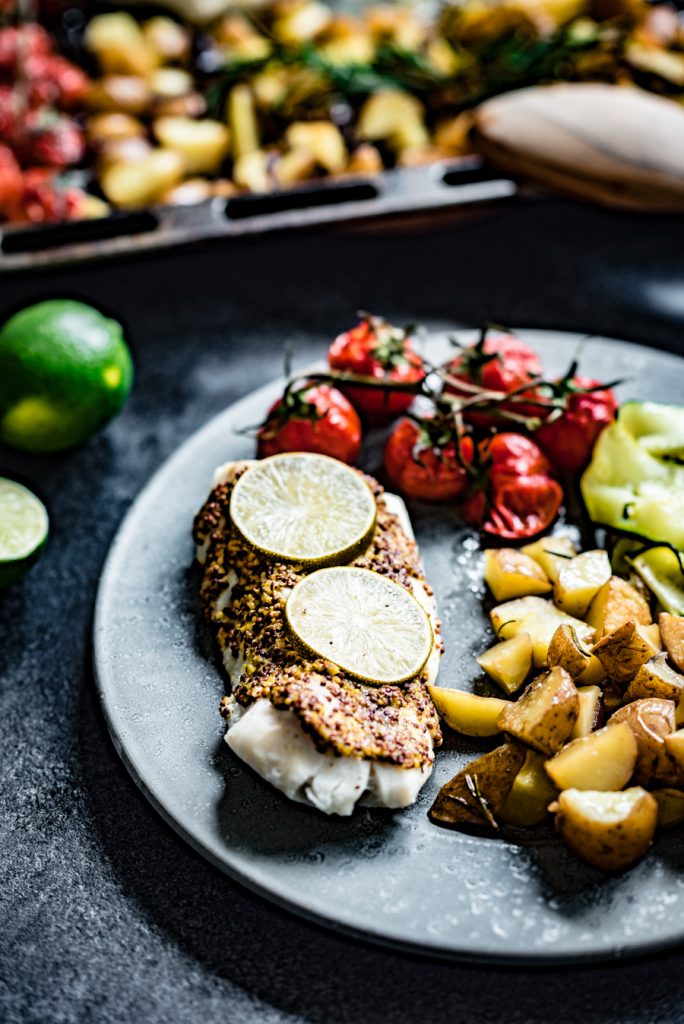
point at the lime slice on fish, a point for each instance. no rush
(304, 508)
(369, 626)
(23, 530)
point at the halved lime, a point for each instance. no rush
(23, 530)
(305, 508)
(369, 626)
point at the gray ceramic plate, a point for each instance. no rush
(391, 877)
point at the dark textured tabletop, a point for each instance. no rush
(105, 915)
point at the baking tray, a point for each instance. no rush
(448, 185)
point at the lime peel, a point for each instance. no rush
(363, 622)
(24, 526)
(305, 508)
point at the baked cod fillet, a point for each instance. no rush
(317, 735)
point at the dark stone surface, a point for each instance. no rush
(104, 914)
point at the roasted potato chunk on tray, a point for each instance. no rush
(651, 720)
(602, 760)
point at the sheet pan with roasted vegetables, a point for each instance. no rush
(104, 109)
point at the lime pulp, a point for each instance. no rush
(24, 529)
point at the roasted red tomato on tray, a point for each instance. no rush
(311, 418)
(569, 438)
(376, 349)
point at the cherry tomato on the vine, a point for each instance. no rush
(424, 459)
(376, 349)
(517, 495)
(497, 362)
(312, 418)
(569, 438)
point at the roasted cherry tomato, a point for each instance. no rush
(424, 460)
(312, 418)
(497, 362)
(516, 496)
(51, 140)
(47, 198)
(11, 184)
(376, 349)
(569, 439)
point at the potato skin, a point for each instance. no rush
(494, 773)
(610, 845)
(672, 633)
(656, 679)
(545, 714)
(615, 603)
(651, 720)
(511, 573)
(623, 651)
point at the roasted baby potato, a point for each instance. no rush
(323, 140)
(103, 128)
(511, 573)
(145, 181)
(552, 553)
(394, 117)
(590, 710)
(656, 679)
(672, 633)
(530, 795)
(624, 651)
(508, 663)
(674, 745)
(538, 617)
(476, 794)
(168, 39)
(569, 652)
(468, 713)
(128, 94)
(579, 580)
(616, 603)
(610, 831)
(545, 714)
(202, 144)
(251, 171)
(670, 806)
(602, 760)
(651, 720)
(119, 44)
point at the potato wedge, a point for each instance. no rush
(656, 679)
(569, 652)
(579, 580)
(624, 651)
(128, 94)
(610, 831)
(475, 795)
(143, 182)
(511, 573)
(508, 663)
(545, 714)
(602, 760)
(530, 795)
(670, 806)
(538, 617)
(251, 171)
(651, 720)
(169, 40)
(468, 713)
(119, 45)
(202, 144)
(616, 603)
(323, 140)
(241, 114)
(552, 553)
(590, 711)
(674, 746)
(672, 633)
(393, 116)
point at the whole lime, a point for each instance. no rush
(65, 371)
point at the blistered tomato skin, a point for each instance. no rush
(569, 440)
(312, 419)
(376, 349)
(501, 363)
(517, 496)
(423, 472)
